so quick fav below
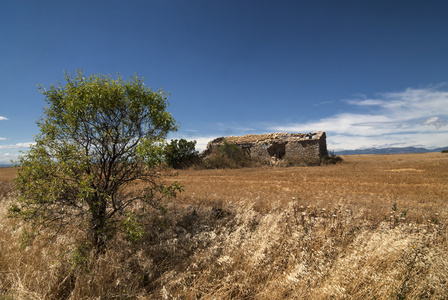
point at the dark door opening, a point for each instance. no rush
(246, 151)
(277, 150)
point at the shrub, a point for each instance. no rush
(332, 159)
(180, 154)
(227, 156)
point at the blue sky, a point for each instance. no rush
(369, 73)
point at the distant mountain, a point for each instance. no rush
(390, 150)
(5, 165)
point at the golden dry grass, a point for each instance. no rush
(372, 183)
(7, 174)
(372, 227)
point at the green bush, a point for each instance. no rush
(180, 154)
(231, 151)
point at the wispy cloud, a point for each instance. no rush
(13, 151)
(2, 119)
(231, 129)
(323, 103)
(408, 118)
(365, 102)
(17, 146)
(6, 158)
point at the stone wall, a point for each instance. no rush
(310, 148)
(308, 151)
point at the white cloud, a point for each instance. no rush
(13, 151)
(339, 141)
(414, 117)
(365, 102)
(3, 118)
(6, 158)
(431, 120)
(17, 146)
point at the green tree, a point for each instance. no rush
(100, 144)
(180, 153)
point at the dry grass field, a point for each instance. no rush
(372, 227)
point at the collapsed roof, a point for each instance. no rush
(269, 137)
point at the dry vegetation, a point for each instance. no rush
(372, 227)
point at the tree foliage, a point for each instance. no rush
(181, 153)
(96, 159)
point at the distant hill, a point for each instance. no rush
(390, 150)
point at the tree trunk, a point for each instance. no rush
(98, 224)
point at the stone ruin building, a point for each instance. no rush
(308, 147)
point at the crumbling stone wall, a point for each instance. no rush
(307, 151)
(310, 148)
